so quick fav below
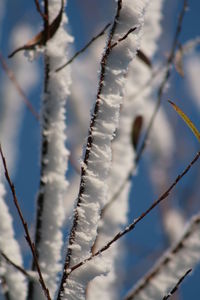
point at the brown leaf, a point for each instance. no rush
(143, 57)
(40, 38)
(178, 61)
(136, 131)
(183, 50)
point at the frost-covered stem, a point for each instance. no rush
(12, 282)
(12, 77)
(25, 226)
(12, 263)
(54, 155)
(97, 156)
(165, 79)
(89, 146)
(102, 32)
(168, 268)
(177, 285)
(137, 220)
(159, 99)
(44, 151)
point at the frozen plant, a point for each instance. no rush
(91, 165)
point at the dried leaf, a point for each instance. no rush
(186, 120)
(143, 57)
(182, 50)
(136, 130)
(40, 38)
(178, 61)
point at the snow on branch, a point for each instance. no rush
(115, 210)
(15, 281)
(175, 288)
(97, 156)
(132, 226)
(25, 226)
(54, 154)
(183, 255)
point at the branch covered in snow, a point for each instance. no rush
(15, 281)
(137, 220)
(97, 157)
(174, 289)
(25, 226)
(183, 255)
(54, 155)
(114, 214)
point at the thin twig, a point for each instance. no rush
(44, 16)
(13, 79)
(137, 220)
(18, 267)
(123, 37)
(102, 32)
(25, 226)
(165, 80)
(177, 285)
(165, 261)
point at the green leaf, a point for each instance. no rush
(186, 120)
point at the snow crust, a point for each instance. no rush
(99, 162)
(15, 281)
(55, 185)
(123, 158)
(181, 257)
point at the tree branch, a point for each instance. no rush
(13, 79)
(25, 226)
(43, 15)
(165, 80)
(177, 285)
(18, 267)
(102, 32)
(160, 94)
(137, 220)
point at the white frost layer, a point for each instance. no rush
(11, 116)
(123, 160)
(182, 256)
(15, 280)
(95, 179)
(56, 159)
(144, 100)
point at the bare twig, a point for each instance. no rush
(18, 267)
(137, 220)
(165, 80)
(102, 32)
(165, 260)
(177, 285)
(44, 17)
(43, 36)
(25, 226)
(13, 79)
(123, 37)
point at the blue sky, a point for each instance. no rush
(85, 19)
